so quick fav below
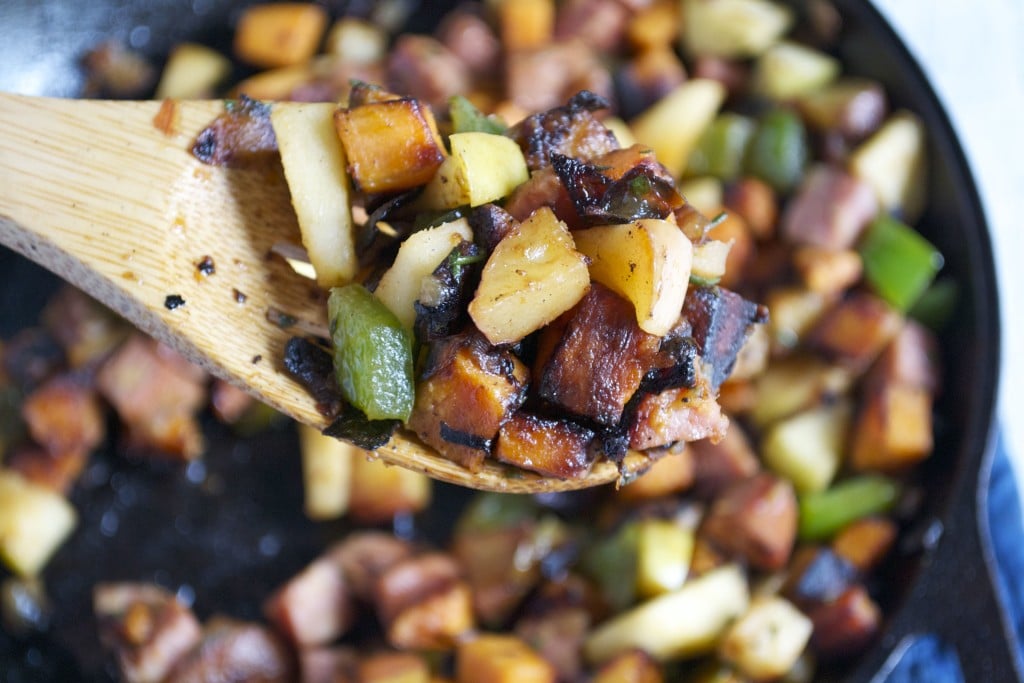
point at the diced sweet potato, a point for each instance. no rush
(424, 603)
(600, 359)
(654, 25)
(379, 490)
(893, 429)
(865, 542)
(279, 34)
(717, 466)
(827, 271)
(755, 201)
(755, 519)
(549, 446)
(500, 659)
(846, 625)
(526, 24)
(733, 229)
(632, 666)
(393, 667)
(670, 473)
(910, 359)
(389, 146)
(56, 471)
(490, 383)
(855, 331)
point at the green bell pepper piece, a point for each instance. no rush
(777, 153)
(720, 150)
(372, 354)
(899, 264)
(824, 513)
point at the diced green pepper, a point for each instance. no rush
(899, 264)
(720, 150)
(496, 511)
(612, 563)
(372, 354)
(466, 118)
(824, 513)
(936, 305)
(777, 153)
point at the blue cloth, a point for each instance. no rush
(928, 659)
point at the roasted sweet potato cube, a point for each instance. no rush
(490, 384)
(600, 360)
(379, 491)
(893, 429)
(424, 603)
(632, 666)
(716, 466)
(669, 473)
(57, 471)
(389, 146)
(64, 415)
(755, 519)
(755, 201)
(910, 359)
(526, 24)
(846, 625)
(865, 542)
(279, 34)
(394, 667)
(855, 331)
(500, 659)
(549, 446)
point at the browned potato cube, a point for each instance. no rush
(394, 667)
(855, 331)
(755, 201)
(389, 146)
(632, 666)
(466, 366)
(279, 34)
(827, 271)
(865, 543)
(910, 359)
(893, 430)
(500, 659)
(552, 447)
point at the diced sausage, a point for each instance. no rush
(64, 415)
(366, 555)
(470, 38)
(679, 414)
(601, 24)
(314, 607)
(425, 69)
(235, 652)
(845, 626)
(721, 321)
(146, 627)
(571, 130)
(830, 210)
(717, 466)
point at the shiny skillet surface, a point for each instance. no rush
(226, 536)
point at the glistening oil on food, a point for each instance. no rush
(555, 233)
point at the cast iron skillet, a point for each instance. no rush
(226, 531)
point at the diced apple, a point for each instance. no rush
(893, 161)
(419, 255)
(766, 641)
(732, 28)
(675, 123)
(647, 262)
(326, 473)
(34, 521)
(808, 447)
(534, 275)
(314, 166)
(192, 72)
(482, 168)
(787, 70)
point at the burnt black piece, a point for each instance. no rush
(490, 224)
(599, 200)
(571, 130)
(824, 579)
(313, 367)
(450, 285)
(721, 321)
(353, 426)
(682, 372)
(240, 137)
(466, 439)
(206, 266)
(173, 301)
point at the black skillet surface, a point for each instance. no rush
(227, 531)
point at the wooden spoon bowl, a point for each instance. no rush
(108, 196)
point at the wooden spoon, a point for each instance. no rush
(108, 196)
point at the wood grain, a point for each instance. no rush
(107, 196)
